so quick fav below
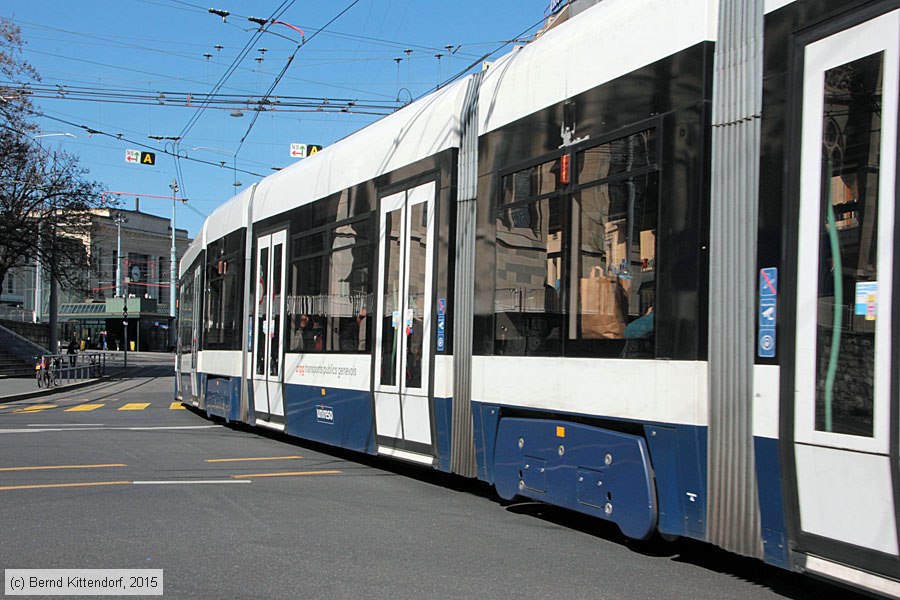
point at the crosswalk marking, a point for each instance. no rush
(88, 406)
(84, 407)
(34, 408)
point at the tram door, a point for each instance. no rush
(403, 410)
(844, 400)
(196, 317)
(268, 350)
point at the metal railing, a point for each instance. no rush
(69, 368)
(16, 313)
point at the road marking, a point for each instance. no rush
(46, 467)
(177, 406)
(34, 408)
(61, 485)
(75, 428)
(218, 460)
(135, 406)
(287, 474)
(191, 482)
(167, 427)
(65, 425)
(84, 407)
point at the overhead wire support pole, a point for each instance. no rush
(173, 258)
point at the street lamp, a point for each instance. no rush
(39, 267)
(119, 220)
(55, 134)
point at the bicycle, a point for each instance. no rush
(45, 373)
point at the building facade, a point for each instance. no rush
(146, 242)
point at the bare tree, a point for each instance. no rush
(15, 107)
(46, 199)
(45, 211)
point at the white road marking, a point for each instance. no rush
(65, 425)
(82, 428)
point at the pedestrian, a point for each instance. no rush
(72, 351)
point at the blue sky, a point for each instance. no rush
(153, 53)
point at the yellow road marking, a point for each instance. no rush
(34, 408)
(135, 406)
(177, 406)
(61, 485)
(84, 407)
(218, 460)
(43, 468)
(287, 474)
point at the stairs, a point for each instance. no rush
(12, 366)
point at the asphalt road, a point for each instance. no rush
(231, 513)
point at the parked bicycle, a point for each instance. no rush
(46, 372)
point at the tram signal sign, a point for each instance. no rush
(142, 158)
(304, 150)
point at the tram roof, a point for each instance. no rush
(622, 35)
(421, 129)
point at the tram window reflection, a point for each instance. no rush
(330, 290)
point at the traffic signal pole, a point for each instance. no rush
(125, 324)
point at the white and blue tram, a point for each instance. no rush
(641, 267)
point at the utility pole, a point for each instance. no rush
(54, 309)
(119, 219)
(38, 281)
(54, 289)
(172, 259)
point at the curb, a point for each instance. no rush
(55, 390)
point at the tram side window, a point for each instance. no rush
(331, 293)
(185, 314)
(614, 265)
(528, 310)
(614, 213)
(224, 292)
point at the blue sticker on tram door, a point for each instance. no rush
(766, 347)
(768, 282)
(441, 321)
(768, 312)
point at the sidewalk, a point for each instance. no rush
(14, 389)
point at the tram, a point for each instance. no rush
(641, 268)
